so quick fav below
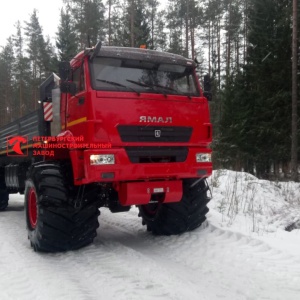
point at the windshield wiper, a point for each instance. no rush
(152, 86)
(118, 84)
(143, 84)
(165, 87)
(171, 89)
(139, 83)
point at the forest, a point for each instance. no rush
(244, 45)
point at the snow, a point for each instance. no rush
(242, 252)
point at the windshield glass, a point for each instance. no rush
(113, 74)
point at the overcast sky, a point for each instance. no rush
(14, 10)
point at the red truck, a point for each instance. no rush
(118, 127)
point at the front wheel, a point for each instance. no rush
(179, 217)
(53, 223)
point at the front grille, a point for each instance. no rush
(175, 134)
(156, 154)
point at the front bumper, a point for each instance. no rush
(123, 170)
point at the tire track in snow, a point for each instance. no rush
(135, 275)
(126, 262)
(215, 256)
(25, 273)
(12, 286)
(105, 270)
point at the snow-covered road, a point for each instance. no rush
(126, 262)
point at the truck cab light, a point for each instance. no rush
(102, 159)
(203, 157)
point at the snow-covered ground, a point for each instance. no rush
(241, 253)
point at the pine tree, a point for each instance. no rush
(294, 127)
(89, 22)
(136, 28)
(38, 55)
(175, 26)
(258, 124)
(49, 57)
(159, 36)
(196, 16)
(117, 21)
(152, 12)
(110, 4)
(66, 42)
(7, 82)
(233, 28)
(21, 73)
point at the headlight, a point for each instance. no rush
(102, 159)
(203, 157)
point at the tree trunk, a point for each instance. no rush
(132, 24)
(229, 32)
(109, 23)
(245, 45)
(294, 158)
(152, 25)
(187, 29)
(209, 49)
(219, 51)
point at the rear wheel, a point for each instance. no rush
(3, 196)
(32, 207)
(179, 217)
(53, 222)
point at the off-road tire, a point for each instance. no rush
(53, 222)
(3, 196)
(179, 217)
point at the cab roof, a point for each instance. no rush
(140, 54)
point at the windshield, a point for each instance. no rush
(113, 74)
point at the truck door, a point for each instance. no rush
(77, 110)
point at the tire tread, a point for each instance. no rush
(60, 226)
(183, 216)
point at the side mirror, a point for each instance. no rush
(207, 87)
(96, 51)
(207, 95)
(64, 70)
(68, 87)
